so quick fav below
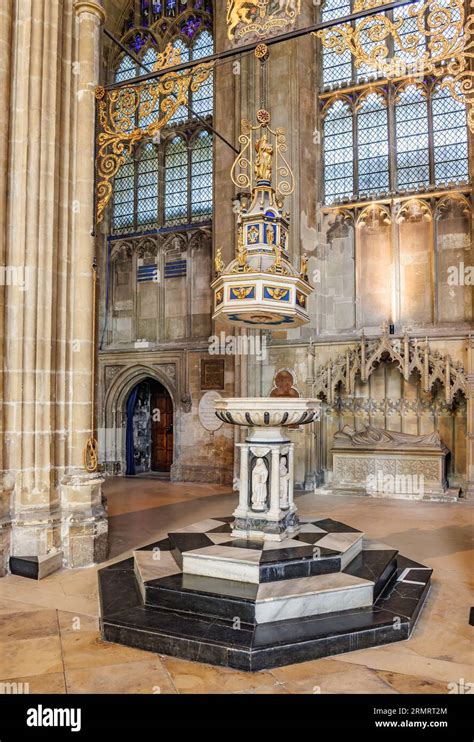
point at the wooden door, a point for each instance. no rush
(161, 428)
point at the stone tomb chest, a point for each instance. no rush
(388, 463)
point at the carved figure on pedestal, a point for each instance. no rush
(264, 159)
(259, 485)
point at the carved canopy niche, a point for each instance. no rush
(408, 355)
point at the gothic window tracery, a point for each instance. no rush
(411, 113)
(338, 148)
(168, 181)
(424, 126)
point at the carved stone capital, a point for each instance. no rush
(94, 7)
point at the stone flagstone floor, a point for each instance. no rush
(49, 634)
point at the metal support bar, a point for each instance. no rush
(149, 72)
(281, 38)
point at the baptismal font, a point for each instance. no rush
(261, 289)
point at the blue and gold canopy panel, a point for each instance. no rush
(261, 301)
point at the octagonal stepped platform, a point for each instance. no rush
(325, 591)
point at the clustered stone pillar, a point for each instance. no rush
(31, 343)
(46, 248)
(84, 523)
(470, 419)
(5, 72)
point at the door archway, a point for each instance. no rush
(149, 429)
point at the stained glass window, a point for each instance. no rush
(373, 145)
(202, 99)
(167, 12)
(147, 188)
(201, 177)
(422, 126)
(337, 68)
(450, 142)
(176, 182)
(126, 69)
(339, 154)
(123, 201)
(412, 141)
(167, 181)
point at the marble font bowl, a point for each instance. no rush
(263, 412)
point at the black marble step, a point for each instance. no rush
(304, 557)
(126, 620)
(36, 567)
(379, 565)
(233, 600)
(206, 596)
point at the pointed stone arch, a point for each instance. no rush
(115, 408)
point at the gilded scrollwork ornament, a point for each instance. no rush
(262, 149)
(439, 46)
(132, 113)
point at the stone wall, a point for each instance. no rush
(199, 455)
(370, 263)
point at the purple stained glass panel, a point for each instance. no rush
(137, 42)
(153, 11)
(190, 26)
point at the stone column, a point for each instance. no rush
(470, 419)
(310, 434)
(84, 521)
(291, 481)
(6, 20)
(242, 508)
(36, 187)
(274, 510)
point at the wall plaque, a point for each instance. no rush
(207, 413)
(212, 373)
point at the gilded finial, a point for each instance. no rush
(218, 262)
(241, 255)
(304, 267)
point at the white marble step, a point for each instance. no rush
(243, 565)
(312, 596)
(226, 563)
(151, 565)
(275, 601)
